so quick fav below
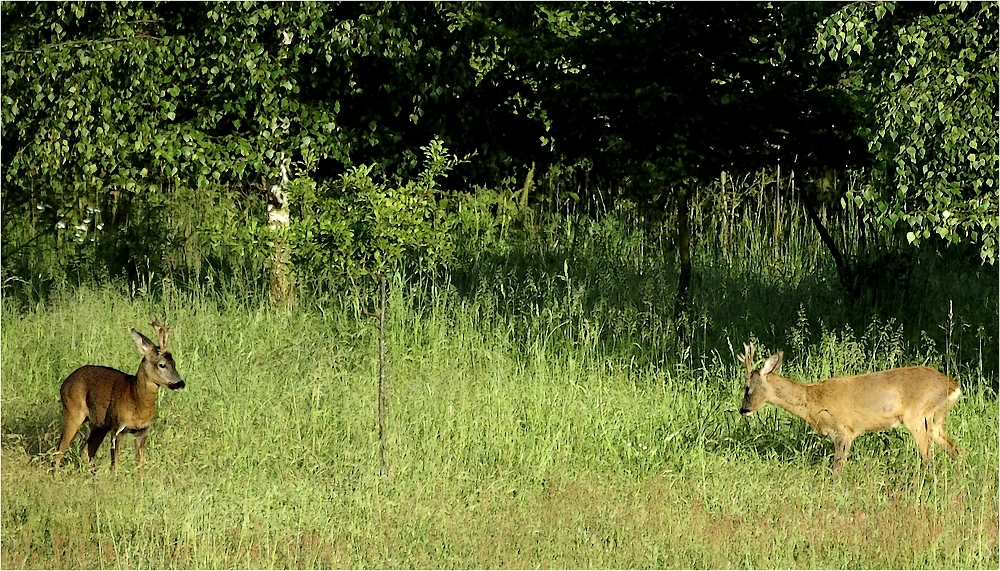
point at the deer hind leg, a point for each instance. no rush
(94, 442)
(72, 421)
(940, 435)
(921, 428)
(944, 441)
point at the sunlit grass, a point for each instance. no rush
(504, 452)
(545, 410)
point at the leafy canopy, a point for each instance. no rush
(929, 74)
(364, 224)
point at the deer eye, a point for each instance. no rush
(162, 365)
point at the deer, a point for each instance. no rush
(116, 402)
(843, 408)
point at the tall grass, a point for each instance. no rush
(545, 409)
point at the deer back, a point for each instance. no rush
(884, 399)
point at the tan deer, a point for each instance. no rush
(117, 402)
(843, 408)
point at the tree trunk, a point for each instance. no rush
(817, 191)
(383, 466)
(280, 275)
(838, 257)
(683, 249)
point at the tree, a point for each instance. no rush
(142, 126)
(359, 228)
(113, 110)
(928, 73)
(667, 95)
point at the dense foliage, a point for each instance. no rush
(929, 73)
(141, 137)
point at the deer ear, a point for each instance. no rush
(142, 343)
(773, 363)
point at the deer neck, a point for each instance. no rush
(789, 395)
(143, 389)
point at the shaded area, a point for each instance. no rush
(609, 284)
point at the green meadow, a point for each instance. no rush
(546, 408)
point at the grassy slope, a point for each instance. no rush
(549, 414)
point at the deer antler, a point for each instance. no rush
(162, 332)
(747, 357)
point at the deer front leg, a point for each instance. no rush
(115, 443)
(841, 449)
(140, 443)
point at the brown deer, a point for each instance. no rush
(117, 402)
(843, 408)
